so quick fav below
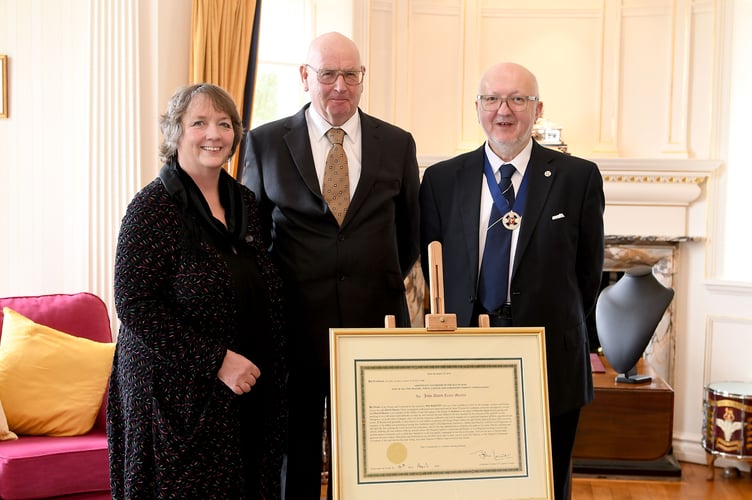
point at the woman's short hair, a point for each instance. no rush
(171, 122)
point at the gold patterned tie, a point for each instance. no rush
(336, 177)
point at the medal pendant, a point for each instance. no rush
(511, 220)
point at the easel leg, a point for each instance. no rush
(484, 321)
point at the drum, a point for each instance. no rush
(727, 419)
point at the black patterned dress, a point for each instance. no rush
(186, 290)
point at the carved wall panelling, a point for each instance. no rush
(724, 335)
(631, 95)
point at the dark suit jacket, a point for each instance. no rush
(350, 277)
(558, 264)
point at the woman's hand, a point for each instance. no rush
(238, 373)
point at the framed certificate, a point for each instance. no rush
(419, 414)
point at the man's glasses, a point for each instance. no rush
(329, 76)
(514, 102)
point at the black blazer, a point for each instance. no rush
(337, 277)
(558, 263)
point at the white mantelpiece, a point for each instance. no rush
(653, 197)
(652, 207)
(647, 196)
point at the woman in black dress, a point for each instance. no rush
(196, 404)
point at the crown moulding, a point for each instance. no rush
(656, 182)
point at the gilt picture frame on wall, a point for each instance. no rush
(419, 414)
(3, 86)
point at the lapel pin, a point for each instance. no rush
(547, 173)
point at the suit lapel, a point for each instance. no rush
(541, 175)
(299, 144)
(468, 182)
(371, 146)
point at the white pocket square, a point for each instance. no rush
(558, 216)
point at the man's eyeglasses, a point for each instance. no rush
(514, 102)
(329, 76)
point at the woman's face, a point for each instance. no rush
(207, 137)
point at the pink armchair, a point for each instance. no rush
(76, 467)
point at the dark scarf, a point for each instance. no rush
(185, 191)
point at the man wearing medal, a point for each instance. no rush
(543, 234)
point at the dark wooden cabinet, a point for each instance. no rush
(626, 421)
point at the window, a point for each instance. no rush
(286, 29)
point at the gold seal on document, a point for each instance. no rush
(396, 453)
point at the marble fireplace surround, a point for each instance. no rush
(625, 252)
(651, 210)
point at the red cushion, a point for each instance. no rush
(42, 466)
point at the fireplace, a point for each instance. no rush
(622, 253)
(625, 252)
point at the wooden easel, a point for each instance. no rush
(502, 350)
(438, 320)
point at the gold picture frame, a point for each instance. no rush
(440, 415)
(3, 86)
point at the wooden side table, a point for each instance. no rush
(626, 422)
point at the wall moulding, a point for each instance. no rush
(652, 197)
(658, 170)
(640, 171)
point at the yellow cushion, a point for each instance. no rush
(5, 433)
(51, 383)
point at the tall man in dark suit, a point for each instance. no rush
(338, 273)
(557, 243)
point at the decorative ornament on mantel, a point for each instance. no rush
(548, 133)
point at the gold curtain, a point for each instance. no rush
(221, 32)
